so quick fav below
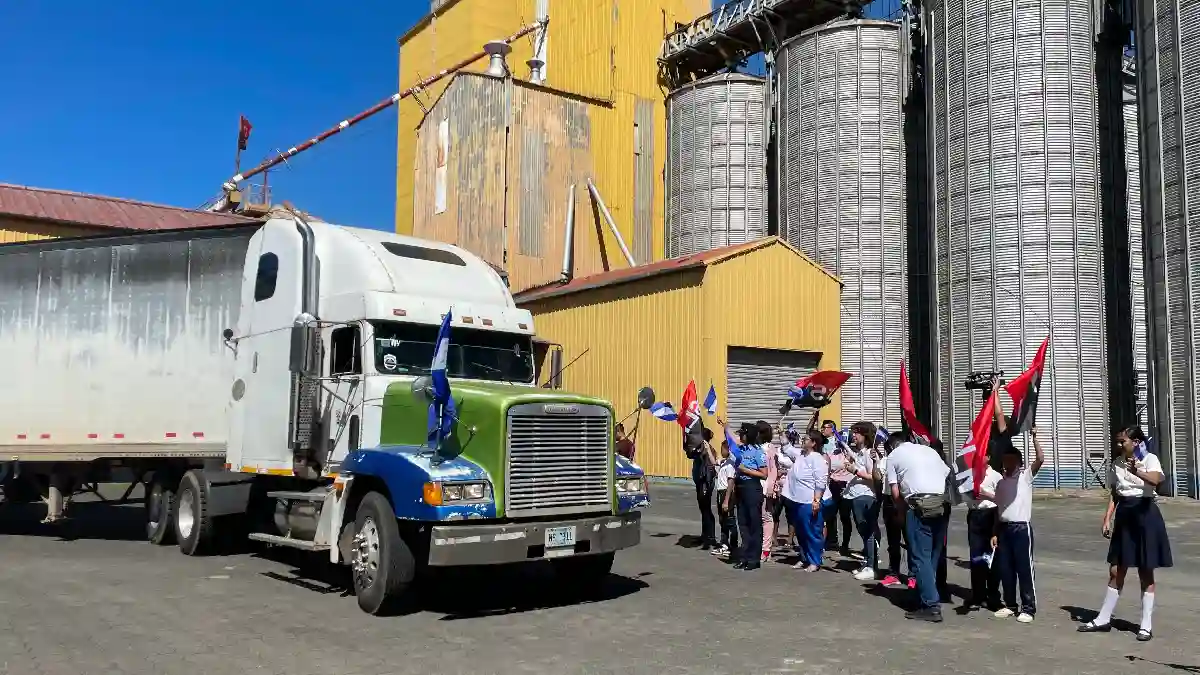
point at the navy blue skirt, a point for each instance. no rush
(1139, 535)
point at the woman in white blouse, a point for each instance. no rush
(1135, 526)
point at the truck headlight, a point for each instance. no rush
(628, 485)
(438, 494)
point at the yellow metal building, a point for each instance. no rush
(603, 52)
(749, 319)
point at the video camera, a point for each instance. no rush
(981, 380)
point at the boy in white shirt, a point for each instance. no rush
(725, 503)
(1014, 534)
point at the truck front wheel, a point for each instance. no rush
(193, 522)
(585, 572)
(160, 511)
(381, 562)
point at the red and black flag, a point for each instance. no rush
(1024, 392)
(689, 420)
(971, 462)
(908, 410)
(243, 132)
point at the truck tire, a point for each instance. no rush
(381, 562)
(160, 512)
(193, 522)
(585, 572)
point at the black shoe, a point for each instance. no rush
(749, 567)
(739, 565)
(1092, 627)
(925, 614)
(705, 546)
(1145, 635)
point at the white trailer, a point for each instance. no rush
(279, 371)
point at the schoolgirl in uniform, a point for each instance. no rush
(1136, 528)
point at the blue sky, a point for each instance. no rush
(141, 99)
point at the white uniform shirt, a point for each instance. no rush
(1126, 483)
(990, 479)
(808, 478)
(1014, 497)
(859, 486)
(725, 472)
(917, 469)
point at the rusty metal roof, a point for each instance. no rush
(76, 208)
(697, 260)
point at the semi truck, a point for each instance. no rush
(271, 380)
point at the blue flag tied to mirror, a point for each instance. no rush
(441, 409)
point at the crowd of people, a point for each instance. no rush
(888, 486)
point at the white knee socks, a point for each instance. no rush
(1110, 603)
(1147, 610)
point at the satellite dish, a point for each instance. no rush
(422, 387)
(645, 398)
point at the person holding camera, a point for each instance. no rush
(916, 477)
(1135, 526)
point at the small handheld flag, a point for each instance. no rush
(1024, 391)
(881, 435)
(664, 411)
(441, 409)
(710, 400)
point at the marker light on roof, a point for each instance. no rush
(522, 326)
(399, 312)
(468, 319)
(487, 322)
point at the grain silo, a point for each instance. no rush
(842, 193)
(1168, 36)
(717, 164)
(1016, 215)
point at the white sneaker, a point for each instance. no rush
(721, 550)
(1025, 618)
(1003, 613)
(865, 574)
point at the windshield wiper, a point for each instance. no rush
(494, 370)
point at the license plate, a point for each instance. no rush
(560, 537)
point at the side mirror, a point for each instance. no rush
(422, 388)
(227, 334)
(645, 398)
(305, 349)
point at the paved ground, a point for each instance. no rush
(108, 603)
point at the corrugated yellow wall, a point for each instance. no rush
(796, 304)
(635, 334)
(602, 49)
(13, 230)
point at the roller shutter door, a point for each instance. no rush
(759, 380)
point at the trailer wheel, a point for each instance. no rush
(193, 522)
(160, 512)
(382, 564)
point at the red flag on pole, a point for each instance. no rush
(689, 406)
(972, 459)
(1024, 391)
(243, 132)
(908, 410)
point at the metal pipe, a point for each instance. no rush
(569, 237)
(382, 105)
(611, 224)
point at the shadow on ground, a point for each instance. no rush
(460, 593)
(88, 520)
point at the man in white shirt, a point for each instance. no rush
(1014, 535)
(981, 525)
(916, 476)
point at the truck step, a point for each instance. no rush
(275, 540)
(298, 496)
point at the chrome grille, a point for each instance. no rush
(558, 461)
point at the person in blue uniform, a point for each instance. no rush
(748, 489)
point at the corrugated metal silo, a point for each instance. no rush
(842, 193)
(1137, 284)
(1016, 214)
(1168, 66)
(716, 164)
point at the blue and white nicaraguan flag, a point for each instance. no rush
(441, 410)
(881, 435)
(710, 400)
(664, 411)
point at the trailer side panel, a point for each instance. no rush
(112, 347)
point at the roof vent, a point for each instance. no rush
(496, 51)
(535, 70)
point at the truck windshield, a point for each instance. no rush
(407, 349)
